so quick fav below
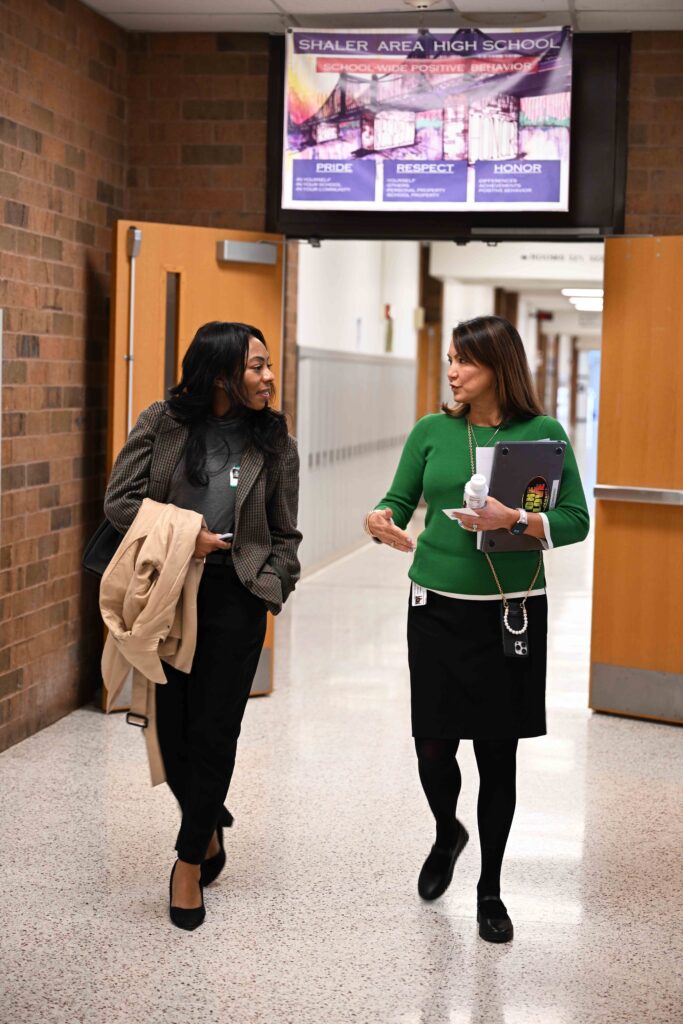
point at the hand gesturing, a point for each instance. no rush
(382, 526)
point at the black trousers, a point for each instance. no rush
(199, 714)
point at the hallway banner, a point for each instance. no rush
(408, 119)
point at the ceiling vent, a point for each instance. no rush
(495, 19)
(421, 5)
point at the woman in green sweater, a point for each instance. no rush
(463, 684)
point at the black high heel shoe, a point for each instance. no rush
(182, 917)
(212, 866)
(437, 870)
(494, 922)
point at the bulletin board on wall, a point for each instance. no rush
(427, 120)
(594, 132)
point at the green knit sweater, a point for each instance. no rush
(435, 461)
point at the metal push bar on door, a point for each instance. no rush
(134, 242)
(646, 495)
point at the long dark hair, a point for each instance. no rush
(492, 341)
(221, 350)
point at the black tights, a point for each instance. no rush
(441, 780)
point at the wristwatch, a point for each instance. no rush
(521, 524)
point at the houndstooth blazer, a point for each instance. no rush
(264, 548)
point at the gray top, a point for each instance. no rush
(225, 443)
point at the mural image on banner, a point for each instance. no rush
(427, 120)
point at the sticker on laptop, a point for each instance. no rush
(536, 496)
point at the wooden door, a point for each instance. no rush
(431, 354)
(573, 382)
(637, 647)
(173, 285)
(430, 370)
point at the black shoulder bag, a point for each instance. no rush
(101, 548)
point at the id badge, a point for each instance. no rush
(418, 595)
(234, 476)
(515, 645)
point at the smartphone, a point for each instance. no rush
(225, 536)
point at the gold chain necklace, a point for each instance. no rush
(470, 434)
(506, 606)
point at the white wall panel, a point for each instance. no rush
(343, 287)
(509, 264)
(401, 289)
(462, 301)
(354, 414)
(340, 296)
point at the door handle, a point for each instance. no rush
(646, 495)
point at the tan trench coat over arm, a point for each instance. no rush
(148, 601)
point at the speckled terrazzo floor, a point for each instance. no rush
(316, 917)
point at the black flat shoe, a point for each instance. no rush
(212, 866)
(494, 923)
(189, 919)
(437, 870)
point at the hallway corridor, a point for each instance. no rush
(316, 917)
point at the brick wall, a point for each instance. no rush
(198, 122)
(198, 116)
(654, 183)
(97, 124)
(62, 172)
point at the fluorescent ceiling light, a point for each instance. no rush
(583, 293)
(587, 305)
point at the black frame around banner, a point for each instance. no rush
(597, 177)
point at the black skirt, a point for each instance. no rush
(462, 685)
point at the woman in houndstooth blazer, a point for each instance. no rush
(217, 447)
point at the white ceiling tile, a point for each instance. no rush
(317, 7)
(198, 22)
(507, 7)
(549, 16)
(438, 19)
(200, 7)
(265, 16)
(628, 5)
(630, 21)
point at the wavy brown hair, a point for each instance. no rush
(492, 341)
